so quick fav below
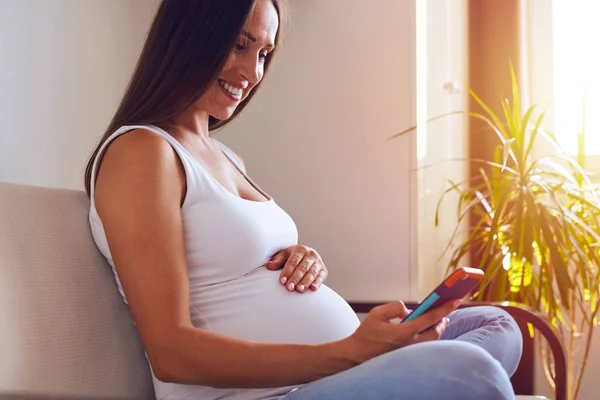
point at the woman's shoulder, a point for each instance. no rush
(139, 144)
(142, 158)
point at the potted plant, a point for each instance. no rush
(533, 228)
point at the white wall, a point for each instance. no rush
(315, 139)
(63, 67)
(442, 70)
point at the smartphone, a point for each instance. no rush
(456, 286)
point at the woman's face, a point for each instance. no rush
(245, 66)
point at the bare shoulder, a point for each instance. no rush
(140, 161)
(143, 145)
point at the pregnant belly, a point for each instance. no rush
(258, 308)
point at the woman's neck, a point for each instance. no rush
(192, 121)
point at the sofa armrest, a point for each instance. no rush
(519, 312)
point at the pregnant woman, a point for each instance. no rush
(226, 302)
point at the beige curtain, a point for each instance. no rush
(496, 37)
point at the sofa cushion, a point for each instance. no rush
(64, 329)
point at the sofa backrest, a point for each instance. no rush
(64, 329)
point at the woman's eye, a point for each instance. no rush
(239, 47)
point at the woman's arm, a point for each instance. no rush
(138, 195)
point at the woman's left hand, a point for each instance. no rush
(303, 268)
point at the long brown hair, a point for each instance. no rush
(187, 46)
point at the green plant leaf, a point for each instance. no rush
(531, 330)
(495, 221)
(504, 139)
(433, 119)
(516, 99)
(571, 216)
(534, 133)
(498, 126)
(557, 258)
(453, 187)
(558, 169)
(576, 196)
(477, 232)
(519, 274)
(553, 140)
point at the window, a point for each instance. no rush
(576, 77)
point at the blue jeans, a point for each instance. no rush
(474, 359)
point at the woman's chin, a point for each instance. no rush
(223, 114)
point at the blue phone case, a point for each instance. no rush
(456, 286)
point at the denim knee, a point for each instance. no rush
(497, 313)
(481, 375)
(512, 348)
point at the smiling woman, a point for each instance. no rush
(184, 79)
(226, 302)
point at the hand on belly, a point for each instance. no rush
(301, 268)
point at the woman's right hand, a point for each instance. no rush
(378, 335)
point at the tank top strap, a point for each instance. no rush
(178, 147)
(232, 156)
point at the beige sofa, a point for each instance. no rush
(64, 330)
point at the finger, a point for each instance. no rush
(392, 310)
(319, 280)
(434, 332)
(310, 277)
(292, 262)
(299, 273)
(277, 261)
(432, 317)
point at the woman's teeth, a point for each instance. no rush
(234, 91)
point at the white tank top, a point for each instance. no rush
(228, 240)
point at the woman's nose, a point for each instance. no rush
(251, 69)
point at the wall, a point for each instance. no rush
(442, 71)
(63, 67)
(315, 138)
